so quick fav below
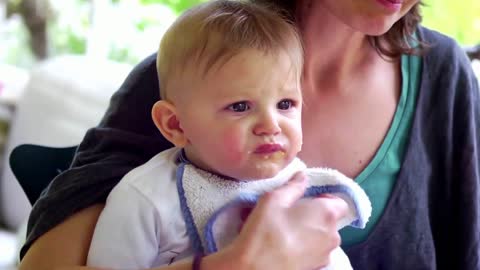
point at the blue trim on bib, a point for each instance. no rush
(187, 214)
(247, 200)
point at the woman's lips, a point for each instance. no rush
(268, 148)
(391, 5)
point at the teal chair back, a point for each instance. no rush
(35, 166)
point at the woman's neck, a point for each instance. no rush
(334, 52)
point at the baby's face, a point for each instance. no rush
(243, 120)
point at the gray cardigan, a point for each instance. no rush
(432, 220)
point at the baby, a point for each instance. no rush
(229, 75)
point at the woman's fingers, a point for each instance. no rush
(317, 219)
(332, 209)
(291, 232)
(289, 193)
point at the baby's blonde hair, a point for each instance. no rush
(213, 32)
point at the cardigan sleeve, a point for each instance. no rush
(465, 174)
(456, 191)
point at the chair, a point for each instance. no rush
(35, 166)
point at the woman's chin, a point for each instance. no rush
(377, 27)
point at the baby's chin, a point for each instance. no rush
(261, 171)
(259, 167)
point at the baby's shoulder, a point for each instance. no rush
(154, 180)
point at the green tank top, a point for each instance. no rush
(379, 177)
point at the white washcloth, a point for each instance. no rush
(212, 206)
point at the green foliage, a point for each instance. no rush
(69, 42)
(122, 54)
(13, 6)
(67, 35)
(15, 49)
(458, 19)
(176, 5)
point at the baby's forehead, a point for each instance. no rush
(246, 62)
(242, 73)
(244, 69)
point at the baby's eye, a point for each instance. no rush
(285, 104)
(241, 106)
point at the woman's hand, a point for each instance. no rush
(284, 232)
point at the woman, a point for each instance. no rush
(404, 126)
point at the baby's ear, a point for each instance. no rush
(164, 115)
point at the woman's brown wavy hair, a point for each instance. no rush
(397, 41)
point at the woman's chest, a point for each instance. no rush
(345, 132)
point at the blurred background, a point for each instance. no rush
(127, 30)
(60, 61)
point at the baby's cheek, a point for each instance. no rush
(298, 143)
(234, 144)
(296, 139)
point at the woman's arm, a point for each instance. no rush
(64, 245)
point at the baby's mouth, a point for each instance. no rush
(268, 148)
(270, 151)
